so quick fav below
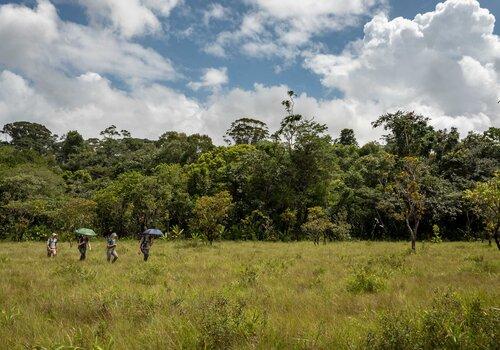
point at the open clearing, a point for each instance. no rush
(250, 295)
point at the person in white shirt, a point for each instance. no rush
(52, 246)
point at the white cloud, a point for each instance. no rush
(264, 103)
(129, 17)
(445, 64)
(91, 104)
(282, 27)
(215, 12)
(53, 71)
(36, 42)
(213, 78)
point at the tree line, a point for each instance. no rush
(295, 183)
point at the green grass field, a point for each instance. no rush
(251, 295)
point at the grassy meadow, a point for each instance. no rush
(248, 295)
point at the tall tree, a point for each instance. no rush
(405, 197)
(72, 144)
(27, 135)
(347, 138)
(410, 134)
(246, 131)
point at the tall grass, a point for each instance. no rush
(251, 295)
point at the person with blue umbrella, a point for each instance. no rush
(147, 240)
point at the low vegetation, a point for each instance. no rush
(247, 295)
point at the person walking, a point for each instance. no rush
(52, 246)
(83, 244)
(145, 245)
(111, 254)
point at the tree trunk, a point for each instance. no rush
(495, 235)
(413, 234)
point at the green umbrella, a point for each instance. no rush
(85, 232)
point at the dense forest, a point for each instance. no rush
(294, 183)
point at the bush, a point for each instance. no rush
(365, 281)
(341, 230)
(37, 233)
(436, 237)
(451, 322)
(223, 322)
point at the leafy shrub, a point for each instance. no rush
(436, 237)
(223, 322)
(365, 281)
(36, 233)
(248, 276)
(317, 225)
(451, 322)
(176, 232)
(258, 226)
(341, 230)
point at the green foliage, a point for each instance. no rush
(210, 213)
(365, 280)
(176, 232)
(421, 177)
(347, 138)
(486, 198)
(317, 225)
(224, 322)
(30, 136)
(247, 131)
(341, 229)
(436, 237)
(451, 322)
(410, 135)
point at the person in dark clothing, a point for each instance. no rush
(83, 244)
(145, 245)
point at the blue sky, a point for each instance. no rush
(196, 65)
(245, 71)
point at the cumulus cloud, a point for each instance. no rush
(263, 103)
(215, 12)
(36, 42)
(53, 72)
(213, 78)
(281, 27)
(129, 17)
(444, 63)
(90, 104)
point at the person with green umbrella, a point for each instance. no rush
(84, 241)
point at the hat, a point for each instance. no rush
(113, 234)
(54, 234)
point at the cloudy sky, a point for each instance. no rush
(150, 66)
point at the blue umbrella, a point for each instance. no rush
(153, 232)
